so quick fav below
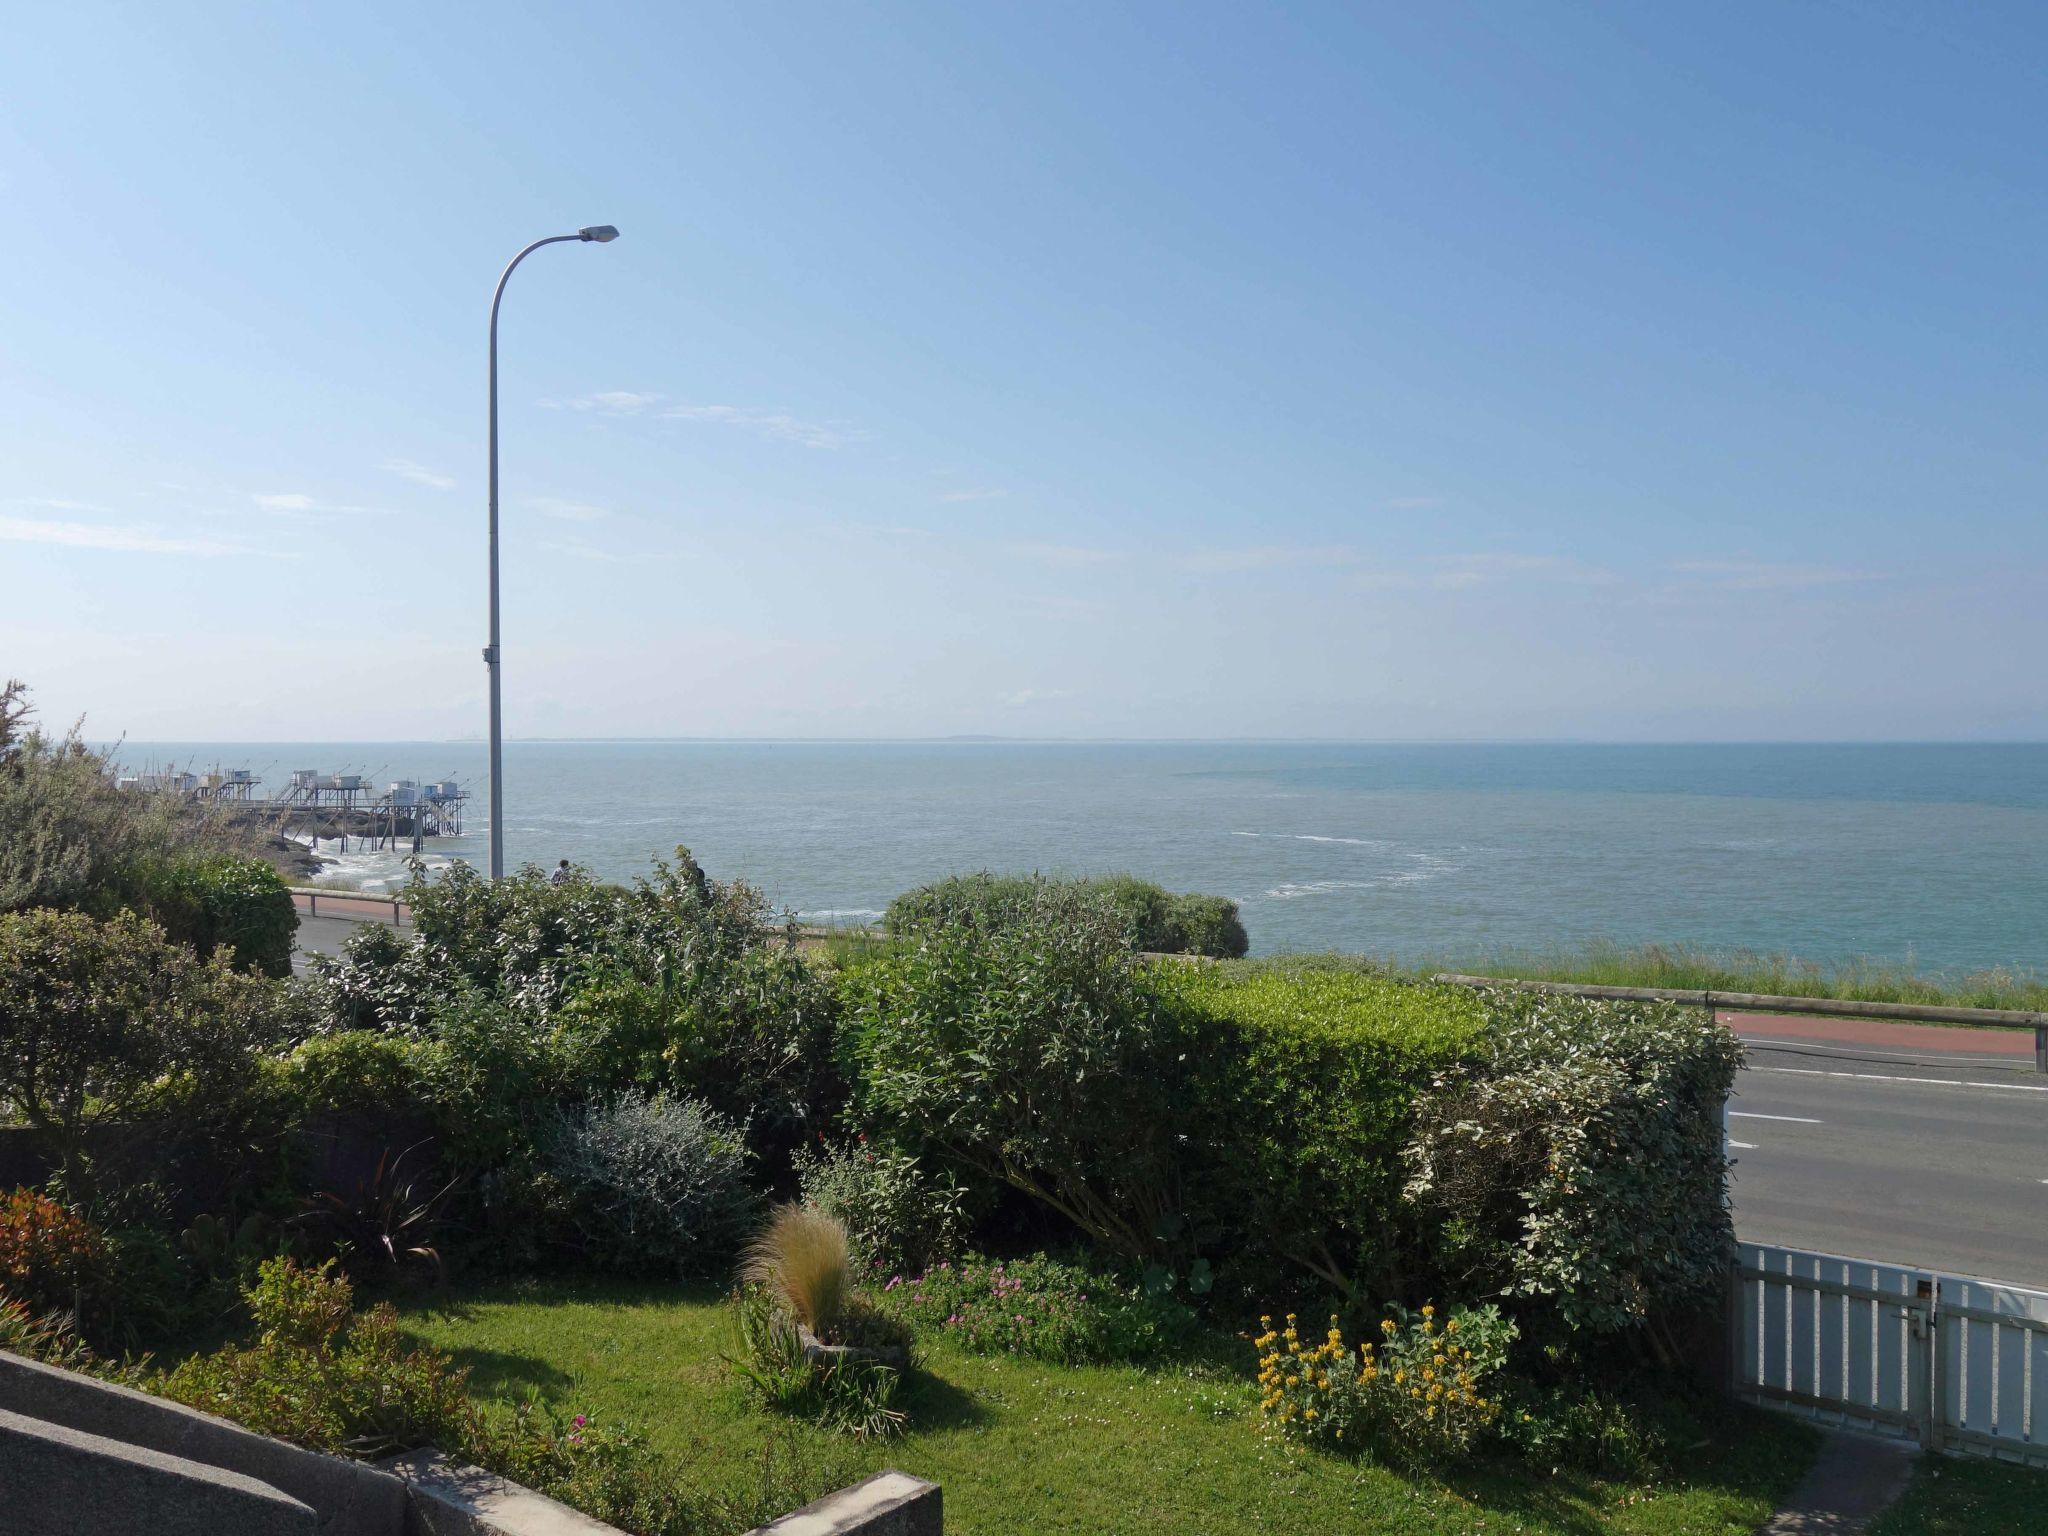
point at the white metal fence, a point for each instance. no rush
(1956, 1364)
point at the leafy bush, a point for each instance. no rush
(98, 1018)
(1419, 1393)
(323, 1376)
(1156, 920)
(897, 1215)
(1582, 1161)
(1308, 1083)
(677, 984)
(657, 1185)
(49, 1254)
(1042, 1309)
(222, 902)
(1033, 1054)
(849, 1394)
(70, 839)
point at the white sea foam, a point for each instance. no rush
(1313, 837)
(828, 914)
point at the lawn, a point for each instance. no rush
(1954, 1496)
(1021, 1447)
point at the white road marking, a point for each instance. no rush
(1904, 1058)
(1750, 1146)
(1890, 1077)
(1745, 1114)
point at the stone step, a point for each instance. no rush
(65, 1482)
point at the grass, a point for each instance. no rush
(1692, 968)
(1951, 1496)
(1021, 1447)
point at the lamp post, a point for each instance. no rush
(600, 233)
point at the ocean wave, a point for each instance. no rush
(828, 914)
(1314, 837)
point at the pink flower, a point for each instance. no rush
(579, 1421)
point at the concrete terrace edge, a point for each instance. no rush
(61, 1481)
(350, 1499)
(449, 1499)
(888, 1504)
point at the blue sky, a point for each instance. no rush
(1667, 372)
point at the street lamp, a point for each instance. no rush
(601, 234)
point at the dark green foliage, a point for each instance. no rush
(676, 984)
(100, 1020)
(70, 839)
(1308, 1080)
(1034, 1055)
(1156, 921)
(898, 1214)
(1581, 1161)
(654, 1186)
(221, 902)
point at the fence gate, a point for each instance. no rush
(1955, 1364)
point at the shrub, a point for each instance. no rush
(1033, 1054)
(658, 1185)
(97, 1018)
(222, 902)
(849, 1394)
(1419, 1393)
(49, 1255)
(1308, 1079)
(322, 1376)
(801, 1259)
(896, 1214)
(1042, 1309)
(1155, 920)
(1582, 1161)
(678, 984)
(70, 839)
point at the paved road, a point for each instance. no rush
(324, 936)
(1894, 1142)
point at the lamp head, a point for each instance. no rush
(601, 233)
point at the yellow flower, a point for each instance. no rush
(1429, 1311)
(1387, 1326)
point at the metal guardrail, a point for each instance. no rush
(1763, 1002)
(314, 902)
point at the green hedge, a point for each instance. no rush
(1158, 921)
(1581, 1161)
(221, 901)
(1309, 1079)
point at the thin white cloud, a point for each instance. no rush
(1024, 697)
(1765, 576)
(68, 535)
(777, 426)
(420, 474)
(1070, 556)
(1264, 557)
(1454, 572)
(286, 501)
(57, 504)
(989, 494)
(567, 511)
(610, 402)
(581, 551)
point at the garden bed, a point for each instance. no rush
(1024, 1447)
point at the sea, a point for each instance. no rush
(1935, 855)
